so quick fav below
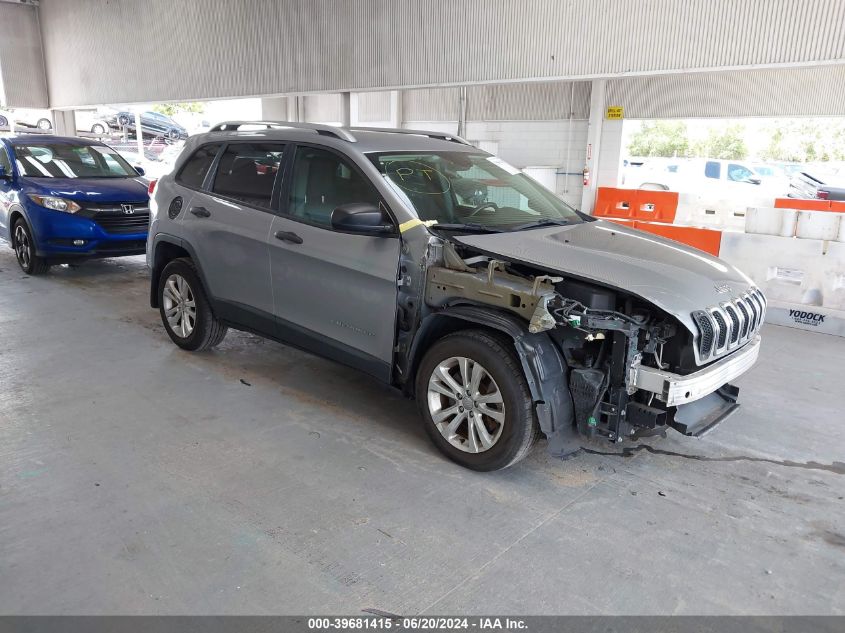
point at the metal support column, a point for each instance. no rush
(591, 163)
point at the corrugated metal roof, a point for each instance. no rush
(226, 48)
(505, 102)
(790, 92)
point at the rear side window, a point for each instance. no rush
(194, 171)
(246, 172)
(712, 169)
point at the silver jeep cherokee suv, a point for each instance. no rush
(443, 271)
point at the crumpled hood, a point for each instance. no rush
(96, 190)
(674, 277)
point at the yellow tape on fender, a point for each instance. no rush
(410, 224)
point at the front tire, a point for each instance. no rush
(185, 310)
(475, 402)
(98, 128)
(29, 262)
(44, 124)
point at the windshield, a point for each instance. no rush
(474, 190)
(64, 160)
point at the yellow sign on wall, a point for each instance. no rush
(615, 112)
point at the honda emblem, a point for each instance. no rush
(128, 209)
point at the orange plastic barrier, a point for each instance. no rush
(837, 205)
(636, 204)
(802, 205)
(614, 203)
(706, 240)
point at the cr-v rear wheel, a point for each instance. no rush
(475, 401)
(29, 262)
(185, 309)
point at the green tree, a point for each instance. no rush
(803, 140)
(727, 144)
(169, 109)
(667, 139)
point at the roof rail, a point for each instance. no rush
(327, 130)
(443, 136)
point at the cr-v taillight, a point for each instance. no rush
(152, 186)
(822, 194)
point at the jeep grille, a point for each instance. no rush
(729, 325)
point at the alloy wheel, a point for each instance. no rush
(180, 306)
(22, 247)
(466, 404)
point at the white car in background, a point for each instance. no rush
(774, 177)
(94, 120)
(26, 118)
(723, 178)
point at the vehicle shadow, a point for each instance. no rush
(121, 288)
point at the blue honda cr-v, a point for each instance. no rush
(66, 199)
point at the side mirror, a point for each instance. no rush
(755, 181)
(141, 171)
(362, 218)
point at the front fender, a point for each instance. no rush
(543, 365)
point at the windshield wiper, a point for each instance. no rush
(466, 227)
(539, 223)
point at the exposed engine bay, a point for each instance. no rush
(604, 334)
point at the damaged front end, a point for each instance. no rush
(625, 366)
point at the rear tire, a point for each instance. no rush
(98, 128)
(185, 309)
(44, 124)
(24, 246)
(473, 377)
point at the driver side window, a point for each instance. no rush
(738, 173)
(323, 181)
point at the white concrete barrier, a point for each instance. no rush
(711, 213)
(818, 225)
(812, 319)
(833, 276)
(788, 269)
(771, 221)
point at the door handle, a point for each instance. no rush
(287, 236)
(201, 212)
